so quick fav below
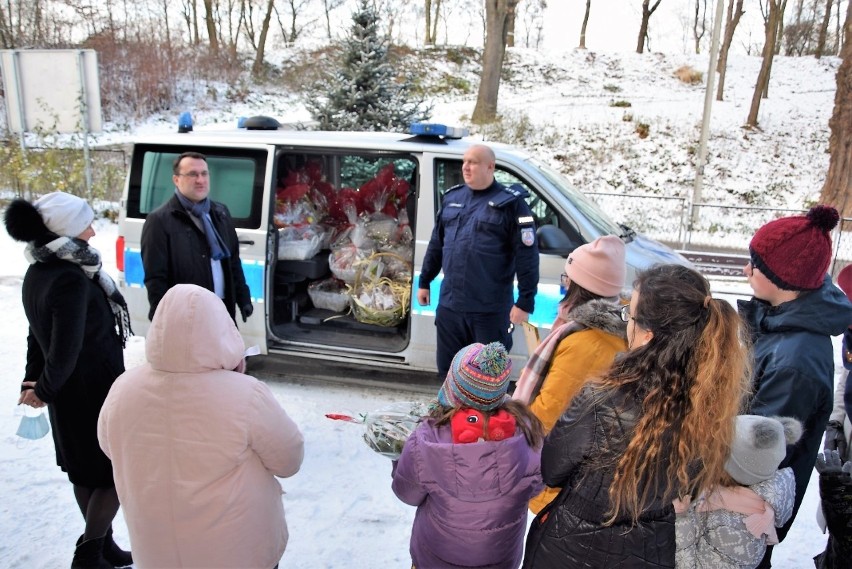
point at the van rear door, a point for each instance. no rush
(238, 176)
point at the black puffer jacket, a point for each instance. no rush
(575, 456)
(175, 251)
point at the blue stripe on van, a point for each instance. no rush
(134, 274)
(546, 302)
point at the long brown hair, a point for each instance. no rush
(691, 377)
(529, 424)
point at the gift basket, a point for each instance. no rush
(380, 296)
(299, 242)
(388, 428)
(329, 294)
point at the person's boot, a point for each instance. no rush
(89, 555)
(114, 554)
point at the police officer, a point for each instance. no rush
(484, 236)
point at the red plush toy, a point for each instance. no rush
(469, 425)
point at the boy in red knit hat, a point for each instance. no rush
(792, 316)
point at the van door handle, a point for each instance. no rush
(247, 242)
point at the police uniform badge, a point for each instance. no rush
(527, 236)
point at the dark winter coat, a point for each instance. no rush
(175, 251)
(74, 355)
(471, 498)
(574, 533)
(794, 369)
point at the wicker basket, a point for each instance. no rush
(370, 282)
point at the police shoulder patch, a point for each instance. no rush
(527, 236)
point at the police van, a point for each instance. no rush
(333, 227)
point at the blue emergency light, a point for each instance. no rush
(436, 129)
(185, 122)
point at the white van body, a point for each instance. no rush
(245, 168)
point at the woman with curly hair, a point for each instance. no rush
(658, 425)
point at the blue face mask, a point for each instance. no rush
(33, 428)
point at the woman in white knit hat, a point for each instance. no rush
(78, 324)
(585, 338)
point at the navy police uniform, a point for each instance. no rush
(482, 239)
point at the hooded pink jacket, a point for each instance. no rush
(196, 447)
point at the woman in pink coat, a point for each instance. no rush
(196, 447)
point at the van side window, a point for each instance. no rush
(236, 179)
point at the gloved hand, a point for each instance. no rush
(246, 311)
(829, 462)
(835, 438)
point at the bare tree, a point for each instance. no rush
(429, 39)
(771, 29)
(532, 17)
(838, 181)
(257, 66)
(647, 12)
(497, 14)
(823, 29)
(295, 9)
(699, 23)
(585, 23)
(328, 7)
(210, 22)
(732, 20)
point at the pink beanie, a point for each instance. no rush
(598, 266)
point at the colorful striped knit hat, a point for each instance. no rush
(478, 378)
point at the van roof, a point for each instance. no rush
(389, 141)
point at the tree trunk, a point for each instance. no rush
(257, 66)
(496, 32)
(699, 24)
(428, 40)
(435, 21)
(766, 66)
(643, 28)
(838, 181)
(585, 23)
(510, 26)
(210, 20)
(823, 29)
(731, 22)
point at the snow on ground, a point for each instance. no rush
(339, 507)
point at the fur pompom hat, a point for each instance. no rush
(760, 444)
(794, 252)
(599, 266)
(478, 378)
(58, 213)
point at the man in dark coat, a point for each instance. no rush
(484, 236)
(191, 239)
(792, 316)
(78, 324)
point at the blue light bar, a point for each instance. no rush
(435, 129)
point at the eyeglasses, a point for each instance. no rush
(625, 313)
(196, 175)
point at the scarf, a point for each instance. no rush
(201, 211)
(538, 364)
(88, 259)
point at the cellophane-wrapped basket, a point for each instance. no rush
(380, 296)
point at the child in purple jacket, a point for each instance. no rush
(471, 467)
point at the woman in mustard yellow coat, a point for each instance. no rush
(584, 340)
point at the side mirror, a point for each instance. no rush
(554, 241)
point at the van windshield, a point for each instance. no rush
(587, 207)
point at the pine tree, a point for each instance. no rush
(364, 93)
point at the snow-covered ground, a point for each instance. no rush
(340, 508)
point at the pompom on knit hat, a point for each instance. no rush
(599, 266)
(65, 214)
(794, 252)
(478, 378)
(759, 446)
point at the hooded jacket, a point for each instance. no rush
(471, 498)
(196, 447)
(794, 368)
(578, 357)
